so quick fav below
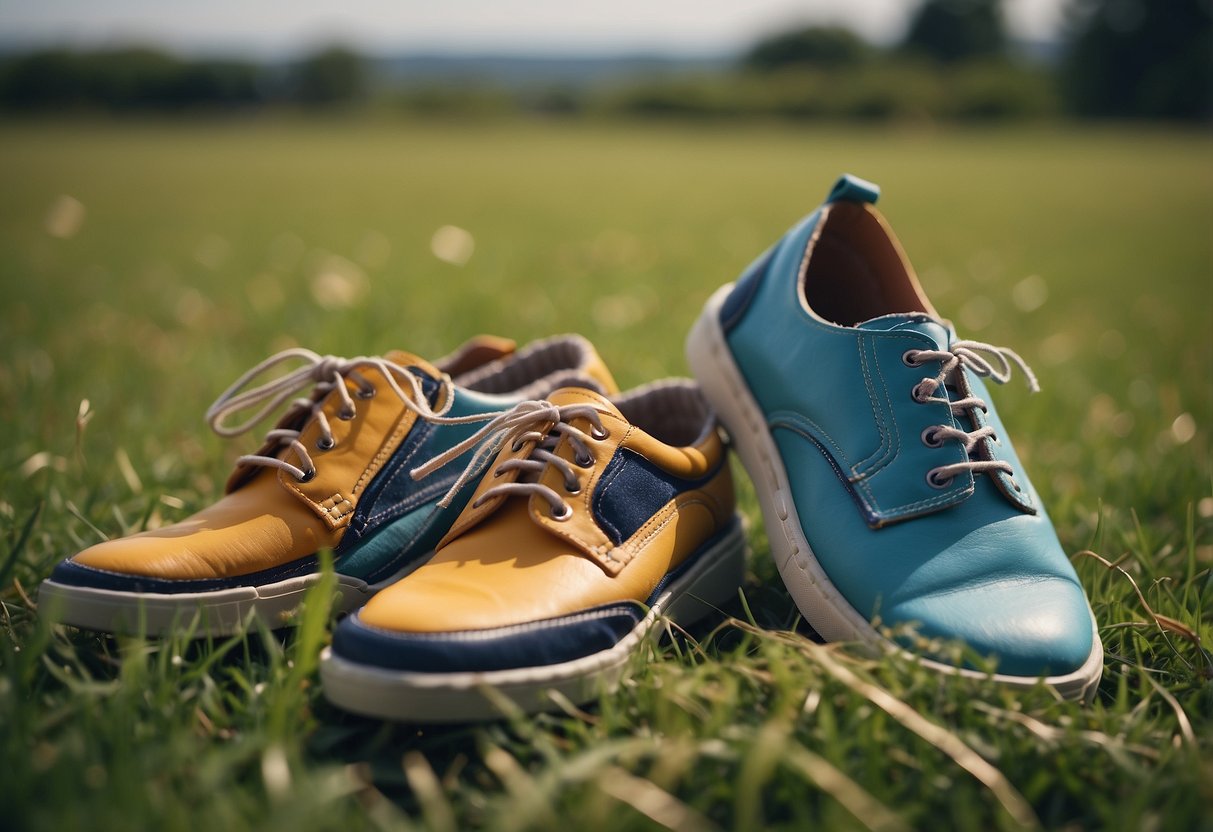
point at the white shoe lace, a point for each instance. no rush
(995, 363)
(520, 425)
(323, 374)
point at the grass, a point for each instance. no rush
(199, 253)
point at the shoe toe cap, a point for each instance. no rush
(1031, 627)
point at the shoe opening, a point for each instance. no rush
(535, 371)
(672, 411)
(855, 270)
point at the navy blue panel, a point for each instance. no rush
(738, 301)
(534, 644)
(392, 492)
(75, 574)
(631, 491)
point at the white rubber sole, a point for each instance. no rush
(221, 612)
(411, 696)
(819, 601)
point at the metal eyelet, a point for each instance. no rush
(930, 437)
(916, 395)
(574, 490)
(936, 482)
(583, 462)
(308, 476)
(565, 513)
(368, 393)
(599, 433)
(326, 443)
(908, 358)
(497, 473)
(347, 415)
(516, 446)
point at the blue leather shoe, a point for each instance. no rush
(890, 490)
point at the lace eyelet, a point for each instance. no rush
(936, 481)
(368, 393)
(930, 437)
(564, 514)
(916, 395)
(308, 476)
(908, 358)
(573, 490)
(498, 473)
(326, 443)
(584, 462)
(516, 446)
(599, 433)
(347, 415)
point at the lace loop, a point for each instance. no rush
(539, 422)
(982, 359)
(323, 374)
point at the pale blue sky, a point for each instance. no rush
(277, 26)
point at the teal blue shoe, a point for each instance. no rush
(890, 490)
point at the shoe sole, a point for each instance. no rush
(411, 696)
(819, 601)
(221, 612)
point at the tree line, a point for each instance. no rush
(1116, 58)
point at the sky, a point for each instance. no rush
(275, 27)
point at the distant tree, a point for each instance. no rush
(127, 78)
(957, 30)
(1132, 58)
(822, 47)
(43, 80)
(334, 75)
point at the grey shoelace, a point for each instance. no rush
(323, 374)
(540, 422)
(982, 359)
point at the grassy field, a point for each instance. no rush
(144, 266)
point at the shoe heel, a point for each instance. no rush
(711, 583)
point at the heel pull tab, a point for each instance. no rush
(850, 188)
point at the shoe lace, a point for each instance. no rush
(982, 359)
(323, 374)
(540, 422)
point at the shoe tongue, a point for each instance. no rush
(407, 359)
(581, 395)
(936, 330)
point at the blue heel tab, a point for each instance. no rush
(853, 189)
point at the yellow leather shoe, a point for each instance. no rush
(596, 519)
(333, 474)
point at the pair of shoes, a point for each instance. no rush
(332, 474)
(895, 506)
(599, 517)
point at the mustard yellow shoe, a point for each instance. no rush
(333, 474)
(596, 519)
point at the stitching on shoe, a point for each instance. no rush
(873, 460)
(386, 449)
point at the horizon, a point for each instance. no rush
(680, 30)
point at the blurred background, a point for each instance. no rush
(188, 189)
(855, 60)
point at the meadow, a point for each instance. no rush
(144, 265)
